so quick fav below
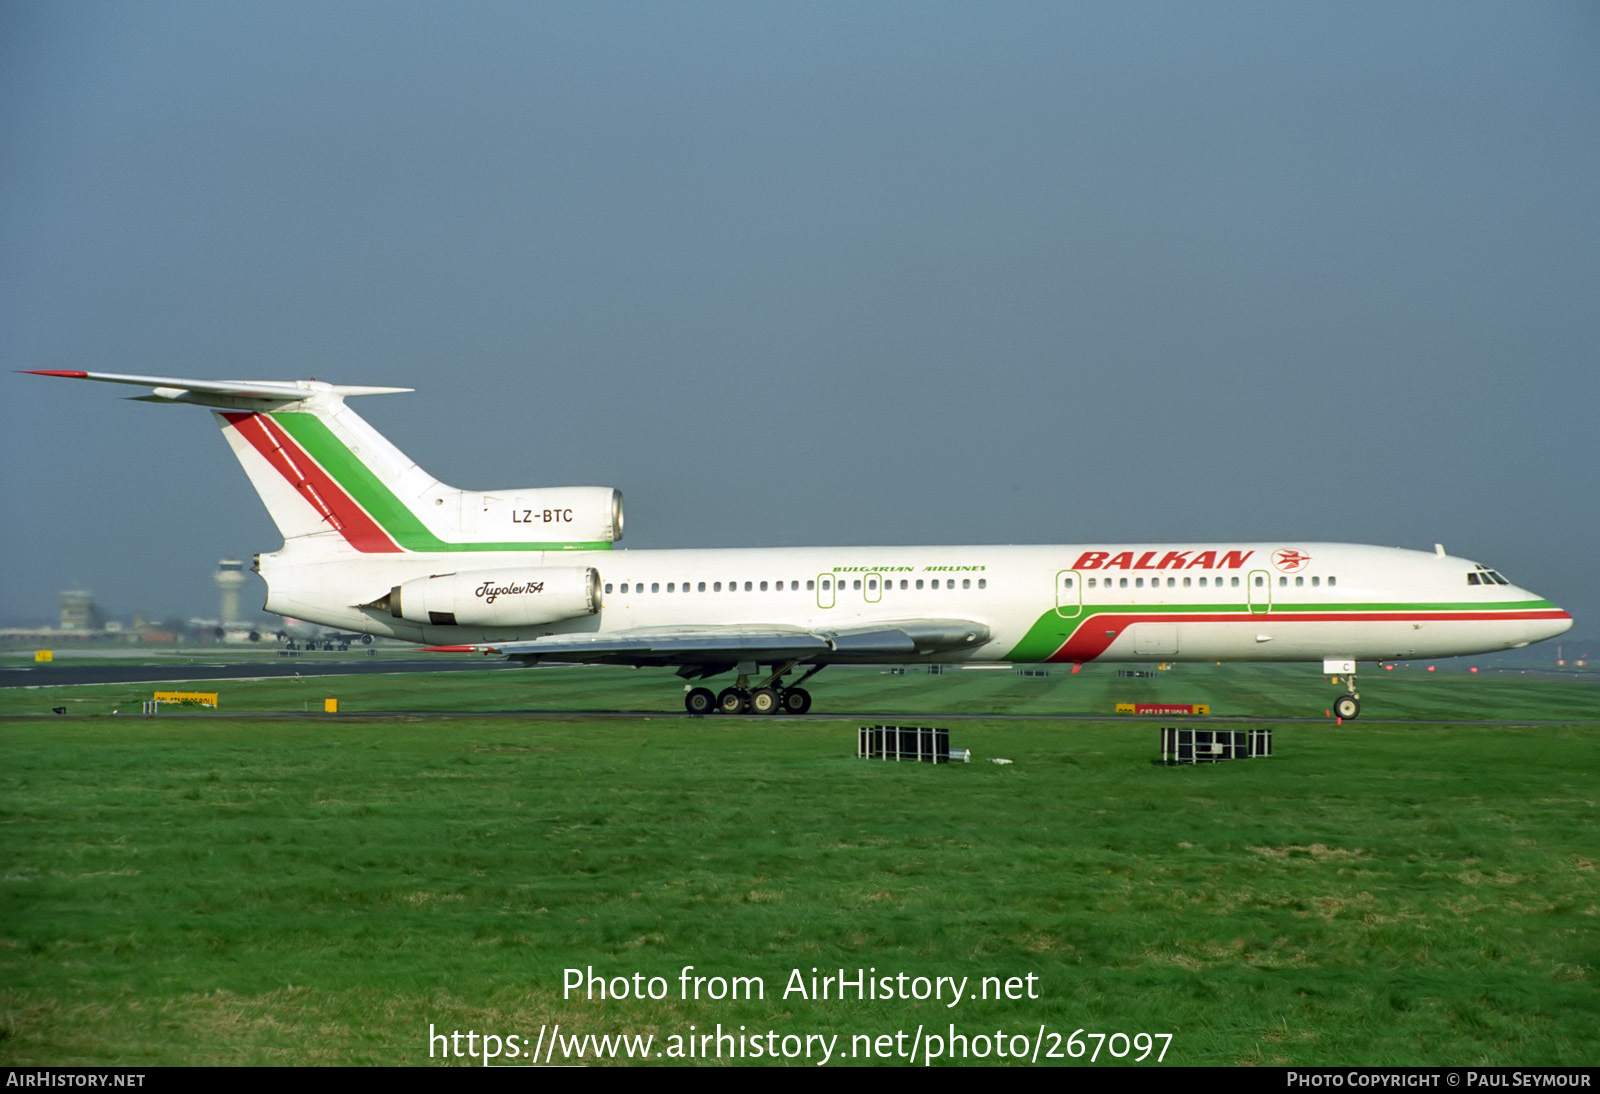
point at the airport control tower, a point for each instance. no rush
(230, 579)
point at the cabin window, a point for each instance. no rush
(1234, 583)
(671, 588)
(1202, 583)
(1067, 582)
(1316, 581)
(747, 587)
(872, 584)
(811, 586)
(966, 583)
(855, 583)
(624, 586)
(608, 586)
(1185, 583)
(1260, 581)
(983, 583)
(1283, 583)
(1333, 581)
(903, 583)
(716, 586)
(763, 586)
(1299, 581)
(1123, 583)
(919, 583)
(655, 586)
(794, 586)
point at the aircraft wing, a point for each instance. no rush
(723, 646)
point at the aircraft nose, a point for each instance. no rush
(1556, 622)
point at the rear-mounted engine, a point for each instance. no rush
(517, 596)
(577, 515)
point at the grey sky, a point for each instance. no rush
(817, 273)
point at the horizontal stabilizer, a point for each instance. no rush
(230, 394)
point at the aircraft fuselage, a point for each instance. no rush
(1078, 603)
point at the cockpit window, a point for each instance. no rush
(1485, 576)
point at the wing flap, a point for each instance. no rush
(876, 642)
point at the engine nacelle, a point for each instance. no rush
(517, 596)
(550, 514)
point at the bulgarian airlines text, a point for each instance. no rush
(923, 1045)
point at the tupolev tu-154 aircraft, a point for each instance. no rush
(375, 545)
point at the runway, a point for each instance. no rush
(56, 674)
(59, 674)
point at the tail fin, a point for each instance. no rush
(331, 482)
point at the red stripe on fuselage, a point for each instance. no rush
(312, 483)
(1095, 634)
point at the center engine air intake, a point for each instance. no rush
(560, 515)
(517, 596)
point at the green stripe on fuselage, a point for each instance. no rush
(392, 514)
(1051, 631)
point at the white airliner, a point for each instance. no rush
(375, 545)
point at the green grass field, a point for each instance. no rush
(221, 888)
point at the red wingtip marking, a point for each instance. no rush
(71, 373)
(449, 649)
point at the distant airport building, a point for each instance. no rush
(79, 613)
(229, 579)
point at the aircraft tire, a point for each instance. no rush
(700, 701)
(765, 701)
(733, 701)
(1346, 707)
(796, 701)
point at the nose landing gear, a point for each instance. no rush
(1348, 705)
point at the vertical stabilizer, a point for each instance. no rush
(333, 483)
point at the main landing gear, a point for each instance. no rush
(769, 696)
